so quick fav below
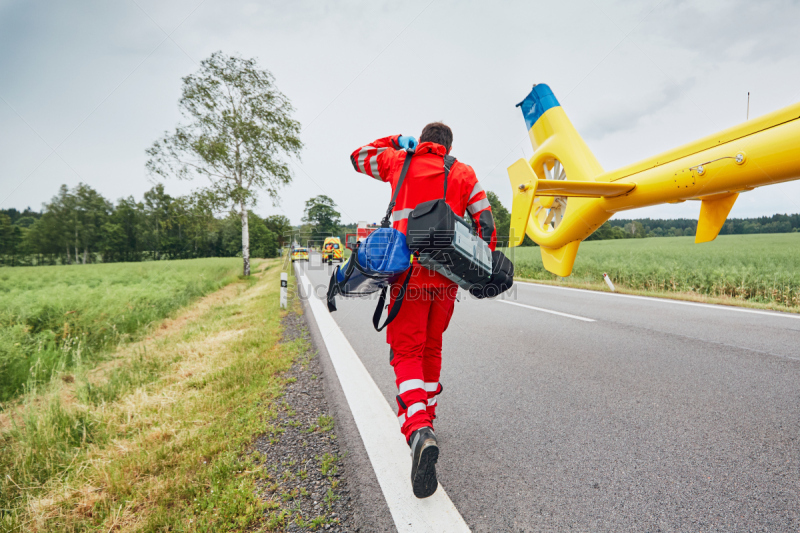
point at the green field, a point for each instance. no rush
(54, 318)
(762, 268)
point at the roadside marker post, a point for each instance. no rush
(284, 288)
(608, 282)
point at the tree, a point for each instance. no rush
(502, 222)
(281, 227)
(62, 222)
(129, 216)
(25, 222)
(263, 241)
(6, 230)
(607, 231)
(239, 133)
(636, 229)
(112, 241)
(502, 219)
(203, 227)
(157, 205)
(322, 216)
(93, 211)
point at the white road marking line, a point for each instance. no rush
(718, 307)
(576, 317)
(377, 424)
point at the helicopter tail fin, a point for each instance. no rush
(554, 140)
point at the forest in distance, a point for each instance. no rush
(621, 228)
(80, 226)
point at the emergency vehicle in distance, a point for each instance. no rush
(299, 254)
(362, 232)
(562, 194)
(332, 250)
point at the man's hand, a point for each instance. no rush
(406, 142)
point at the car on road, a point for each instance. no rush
(299, 254)
(332, 250)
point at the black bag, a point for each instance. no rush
(502, 277)
(446, 243)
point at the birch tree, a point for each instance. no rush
(239, 134)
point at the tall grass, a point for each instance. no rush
(54, 318)
(757, 268)
(157, 439)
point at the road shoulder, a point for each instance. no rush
(370, 512)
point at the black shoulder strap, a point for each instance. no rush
(449, 161)
(398, 302)
(409, 154)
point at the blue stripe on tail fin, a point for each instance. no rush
(539, 100)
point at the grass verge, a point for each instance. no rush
(157, 438)
(757, 271)
(55, 318)
(687, 296)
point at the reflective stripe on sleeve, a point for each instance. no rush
(475, 190)
(480, 205)
(362, 157)
(432, 401)
(431, 386)
(401, 214)
(410, 384)
(363, 154)
(374, 165)
(401, 419)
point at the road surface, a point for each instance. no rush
(576, 410)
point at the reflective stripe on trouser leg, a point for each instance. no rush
(411, 393)
(418, 407)
(433, 390)
(407, 335)
(413, 409)
(411, 384)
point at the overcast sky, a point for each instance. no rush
(86, 87)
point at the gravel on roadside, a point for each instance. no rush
(306, 483)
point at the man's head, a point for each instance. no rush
(438, 133)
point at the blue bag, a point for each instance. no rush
(377, 262)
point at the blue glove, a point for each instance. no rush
(406, 142)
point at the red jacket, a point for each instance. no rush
(383, 160)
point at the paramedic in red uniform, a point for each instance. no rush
(415, 335)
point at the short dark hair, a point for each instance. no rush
(438, 133)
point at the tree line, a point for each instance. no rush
(80, 226)
(622, 228)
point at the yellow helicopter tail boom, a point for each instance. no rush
(561, 195)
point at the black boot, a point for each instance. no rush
(424, 454)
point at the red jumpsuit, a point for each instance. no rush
(415, 335)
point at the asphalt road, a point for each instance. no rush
(654, 416)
